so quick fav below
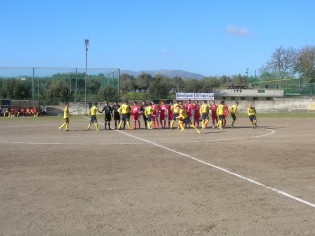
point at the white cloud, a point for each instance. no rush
(237, 30)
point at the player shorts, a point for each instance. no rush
(186, 121)
(149, 117)
(116, 116)
(108, 117)
(221, 117)
(162, 117)
(175, 115)
(67, 120)
(252, 118)
(93, 119)
(135, 116)
(204, 116)
(125, 117)
(233, 116)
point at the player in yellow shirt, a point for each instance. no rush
(233, 111)
(204, 112)
(175, 109)
(93, 119)
(66, 115)
(220, 113)
(125, 111)
(148, 112)
(252, 115)
(184, 119)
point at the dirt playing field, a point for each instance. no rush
(239, 181)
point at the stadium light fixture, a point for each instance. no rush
(86, 43)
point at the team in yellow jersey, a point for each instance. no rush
(252, 115)
(66, 115)
(179, 111)
(93, 118)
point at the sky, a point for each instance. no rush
(207, 37)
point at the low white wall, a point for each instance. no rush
(306, 104)
(281, 105)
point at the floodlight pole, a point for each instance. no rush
(86, 43)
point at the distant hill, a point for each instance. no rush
(169, 73)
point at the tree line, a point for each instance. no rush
(284, 63)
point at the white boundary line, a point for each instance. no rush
(225, 170)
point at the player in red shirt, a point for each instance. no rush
(225, 113)
(214, 114)
(155, 115)
(196, 114)
(135, 109)
(170, 114)
(190, 109)
(163, 114)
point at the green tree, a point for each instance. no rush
(305, 65)
(178, 84)
(192, 86)
(207, 84)
(108, 94)
(58, 91)
(159, 87)
(16, 89)
(127, 83)
(143, 81)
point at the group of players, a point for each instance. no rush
(19, 112)
(162, 116)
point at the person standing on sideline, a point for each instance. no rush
(204, 111)
(108, 114)
(220, 112)
(252, 115)
(124, 110)
(93, 118)
(135, 109)
(233, 111)
(116, 114)
(66, 115)
(142, 109)
(214, 115)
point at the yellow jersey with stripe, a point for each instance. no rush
(66, 112)
(182, 114)
(204, 108)
(174, 108)
(251, 111)
(125, 109)
(233, 109)
(148, 111)
(93, 110)
(220, 110)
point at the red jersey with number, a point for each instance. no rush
(163, 110)
(197, 112)
(214, 110)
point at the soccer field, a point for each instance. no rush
(239, 181)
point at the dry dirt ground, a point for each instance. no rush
(239, 181)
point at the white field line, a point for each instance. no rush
(225, 170)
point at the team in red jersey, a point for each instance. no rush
(163, 114)
(214, 115)
(135, 110)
